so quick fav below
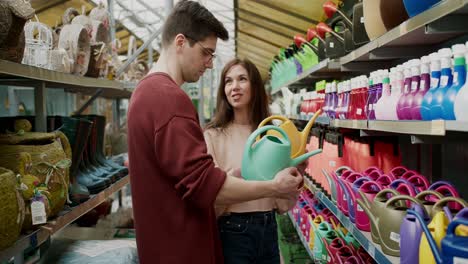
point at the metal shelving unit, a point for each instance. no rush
(66, 217)
(364, 238)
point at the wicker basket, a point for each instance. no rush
(49, 152)
(37, 49)
(6, 19)
(60, 61)
(12, 41)
(12, 209)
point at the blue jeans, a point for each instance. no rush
(249, 238)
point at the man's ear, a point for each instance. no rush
(179, 40)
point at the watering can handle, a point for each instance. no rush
(261, 130)
(439, 205)
(386, 191)
(438, 184)
(424, 194)
(455, 223)
(372, 183)
(405, 198)
(270, 118)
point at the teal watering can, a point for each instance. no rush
(454, 248)
(270, 154)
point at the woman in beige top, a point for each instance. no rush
(248, 230)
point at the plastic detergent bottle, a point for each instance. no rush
(424, 86)
(382, 110)
(339, 106)
(415, 81)
(406, 89)
(397, 81)
(459, 78)
(326, 104)
(361, 98)
(461, 101)
(371, 95)
(346, 99)
(435, 83)
(352, 99)
(333, 100)
(446, 80)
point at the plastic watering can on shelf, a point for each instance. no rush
(385, 180)
(446, 189)
(453, 247)
(415, 7)
(403, 187)
(269, 155)
(373, 208)
(298, 140)
(410, 237)
(320, 232)
(389, 221)
(450, 201)
(397, 172)
(429, 203)
(370, 190)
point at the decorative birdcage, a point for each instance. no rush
(74, 38)
(38, 46)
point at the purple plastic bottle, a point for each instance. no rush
(333, 100)
(326, 104)
(406, 89)
(410, 237)
(378, 86)
(424, 86)
(415, 81)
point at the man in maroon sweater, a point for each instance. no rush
(175, 183)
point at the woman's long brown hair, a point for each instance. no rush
(258, 104)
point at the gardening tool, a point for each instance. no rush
(298, 140)
(410, 237)
(269, 155)
(373, 209)
(453, 247)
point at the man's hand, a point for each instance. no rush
(303, 166)
(287, 182)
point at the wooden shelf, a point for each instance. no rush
(16, 74)
(66, 217)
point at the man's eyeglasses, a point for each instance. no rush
(206, 51)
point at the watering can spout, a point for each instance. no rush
(305, 132)
(302, 158)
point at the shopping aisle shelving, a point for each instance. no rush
(364, 238)
(65, 218)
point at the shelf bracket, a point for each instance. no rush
(40, 107)
(89, 102)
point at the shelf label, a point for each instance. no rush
(362, 20)
(422, 84)
(38, 213)
(359, 111)
(457, 260)
(395, 237)
(414, 86)
(371, 250)
(332, 163)
(332, 45)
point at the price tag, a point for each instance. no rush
(38, 213)
(332, 163)
(359, 111)
(414, 86)
(371, 250)
(422, 84)
(332, 45)
(362, 20)
(434, 82)
(444, 81)
(395, 237)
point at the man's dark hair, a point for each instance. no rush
(194, 21)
